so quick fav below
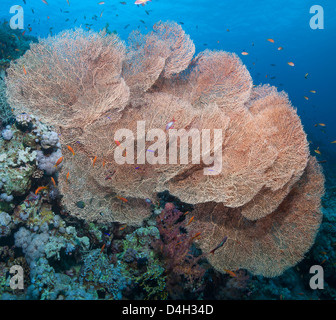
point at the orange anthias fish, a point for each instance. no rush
(71, 150)
(101, 250)
(123, 227)
(306, 97)
(270, 40)
(320, 124)
(312, 91)
(39, 189)
(280, 48)
(196, 235)
(67, 176)
(94, 161)
(53, 181)
(190, 220)
(290, 64)
(122, 199)
(24, 70)
(333, 141)
(102, 2)
(231, 273)
(44, 1)
(59, 161)
(244, 53)
(117, 143)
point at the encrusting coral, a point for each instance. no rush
(265, 198)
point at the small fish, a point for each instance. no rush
(44, 1)
(148, 200)
(273, 65)
(101, 2)
(117, 143)
(24, 70)
(23, 33)
(170, 124)
(123, 2)
(244, 53)
(306, 97)
(71, 150)
(290, 64)
(68, 2)
(122, 199)
(101, 250)
(317, 151)
(123, 227)
(321, 124)
(190, 220)
(104, 163)
(39, 189)
(231, 273)
(196, 235)
(306, 75)
(280, 48)
(53, 181)
(110, 175)
(323, 261)
(185, 213)
(127, 25)
(94, 161)
(143, 2)
(323, 252)
(67, 176)
(59, 161)
(101, 14)
(270, 40)
(220, 245)
(333, 141)
(142, 21)
(312, 91)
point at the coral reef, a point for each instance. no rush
(175, 249)
(266, 193)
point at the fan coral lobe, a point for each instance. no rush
(266, 196)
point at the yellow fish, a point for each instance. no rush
(317, 151)
(333, 141)
(312, 91)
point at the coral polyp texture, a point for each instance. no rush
(266, 196)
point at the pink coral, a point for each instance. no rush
(89, 85)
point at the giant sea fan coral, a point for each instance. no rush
(89, 85)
